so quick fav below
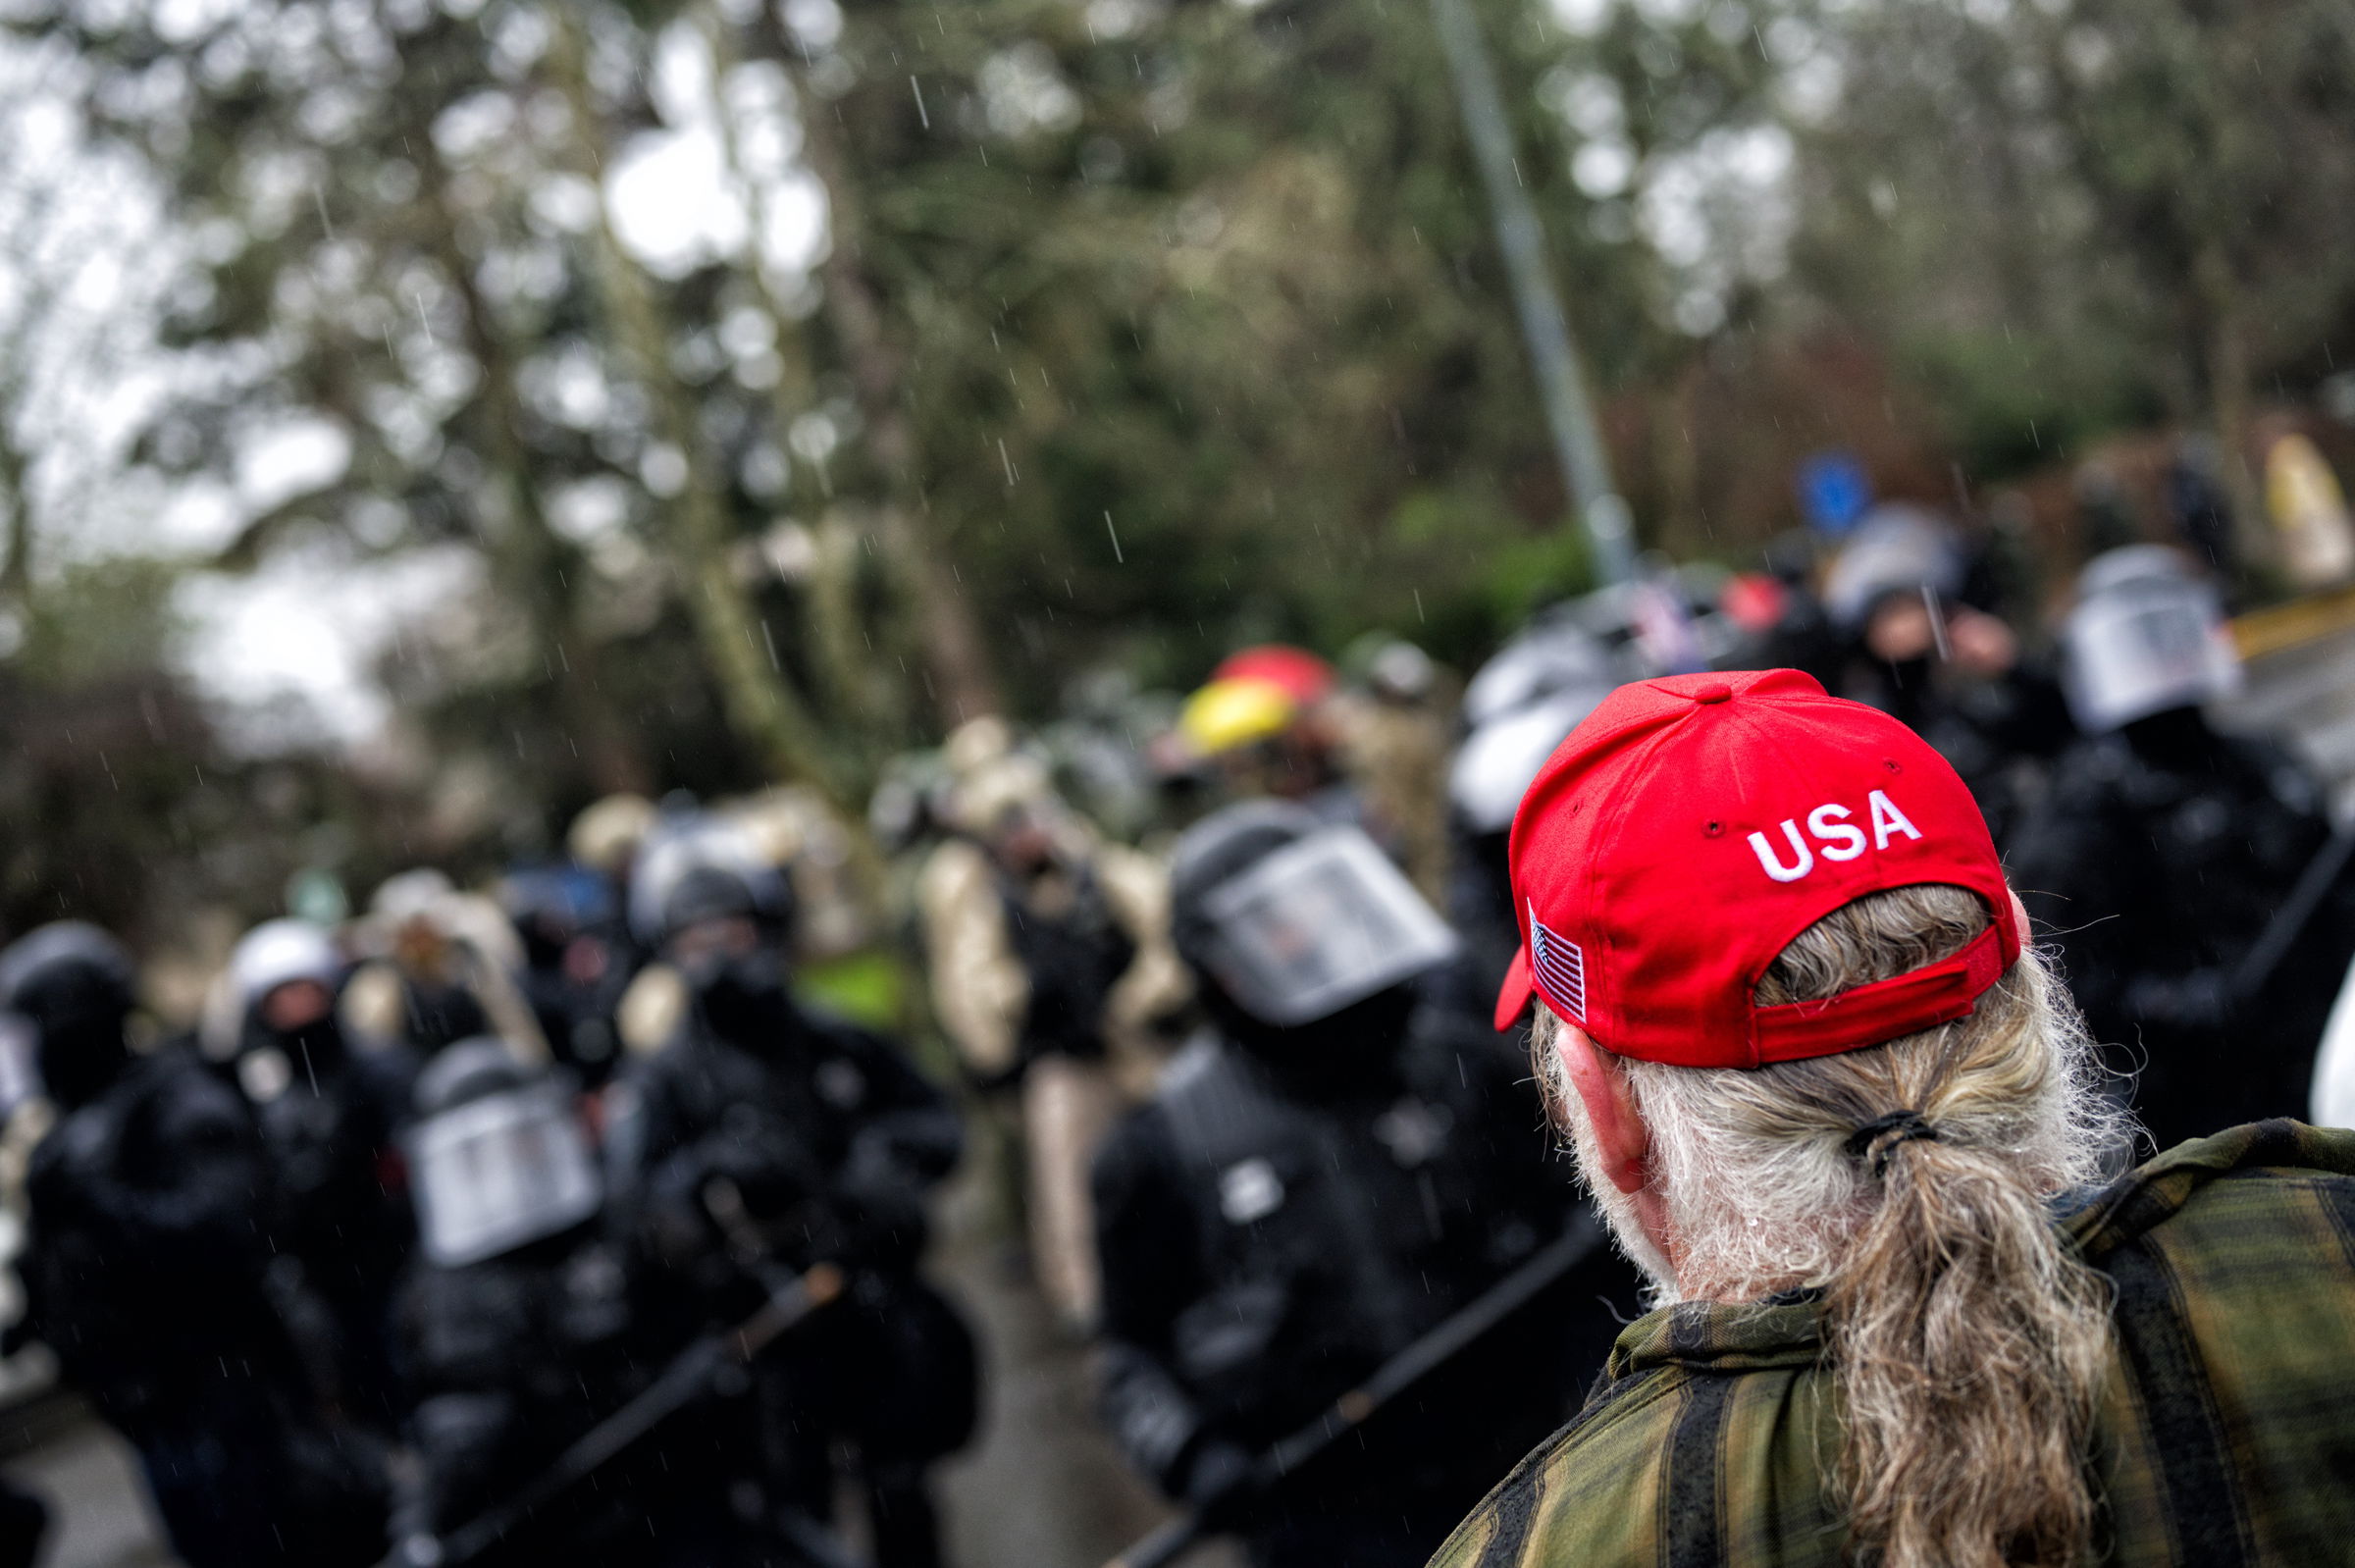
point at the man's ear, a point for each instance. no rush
(1620, 1135)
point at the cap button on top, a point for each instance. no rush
(1713, 692)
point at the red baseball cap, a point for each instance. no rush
(1297, 673)
(1692, 826)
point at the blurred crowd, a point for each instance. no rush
(581, 1216)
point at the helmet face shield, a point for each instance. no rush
(495, 1172)
(20, 1061)
(2145, 647)
(1317, 925)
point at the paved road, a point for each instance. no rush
(2307, 696)
(1043, 1489)
(97, 1507)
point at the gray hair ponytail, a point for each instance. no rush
(1907, 1184)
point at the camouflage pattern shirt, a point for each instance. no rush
(2226, 1435)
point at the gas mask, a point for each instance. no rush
(742, 996)
(74, 984)
(79, 1044)
(309, 1054)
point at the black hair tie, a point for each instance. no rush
(1882, 1134)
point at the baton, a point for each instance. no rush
(2289, 923)
(681, 1382)
(1393, 1378)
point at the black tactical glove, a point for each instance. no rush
(882, 1215)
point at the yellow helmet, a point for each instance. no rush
(1238, 711)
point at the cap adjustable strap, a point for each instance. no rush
(1886, 1009)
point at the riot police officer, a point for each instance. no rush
(1908, 602)
(144, 1271)
(1313, 1190)
(340, 1226)
(2164, 851)
(519, 1328)
(575, 965)
(767, 1136)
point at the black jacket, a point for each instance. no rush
(341, 1199)
(515, 1357)
(825, 1130)
(831, 1138)
(145, 1270)
(2158, 871)
(145, 1262)
(1997, 733)
(1265, 1244)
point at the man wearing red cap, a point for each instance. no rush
(1851, 1128)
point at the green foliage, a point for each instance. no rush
(1229, 278)
(98, 622)
(2083, 212)
(2009, 404)
(867, 987)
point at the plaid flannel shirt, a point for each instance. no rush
(2226, 1435)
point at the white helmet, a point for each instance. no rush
(1499, 762)
(278, 953)
(1542, 661)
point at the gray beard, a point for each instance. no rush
(1618, 1208)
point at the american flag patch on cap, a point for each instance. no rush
(1558, 967)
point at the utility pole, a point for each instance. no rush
(1545, 330)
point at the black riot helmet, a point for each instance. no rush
(1296, 925)
(76, 986)
(689, 880)
(498, 1154)
(705, 868)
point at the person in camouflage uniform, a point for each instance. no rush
(1394, 744)
(1854, 1130)
(1051, 970)
(2222, 1432)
